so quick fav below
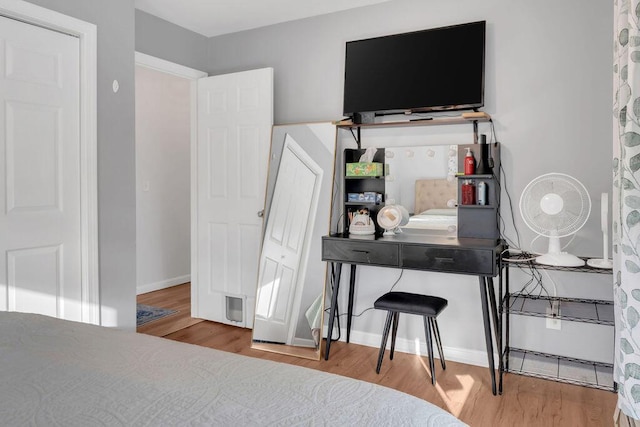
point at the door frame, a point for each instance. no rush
(87, 34)
(193, 75)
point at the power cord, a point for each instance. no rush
(338, 315)
(501, 172)
(340, 218)
(513, 220)
(336, 191)
(525, 262)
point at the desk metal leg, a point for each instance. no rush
(501, 325)
(494, 310)
(352, 285)
(506, 319)
(487, 331)
(332, 312)
(497, 325)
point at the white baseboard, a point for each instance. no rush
(150, 287)
(453, 354)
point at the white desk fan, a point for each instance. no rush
(555, 205)
(391, 217)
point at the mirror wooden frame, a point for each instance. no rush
(317, 143)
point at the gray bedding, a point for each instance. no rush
(60, 373)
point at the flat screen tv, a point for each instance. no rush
(431, 70)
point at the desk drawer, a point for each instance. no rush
(351, 252)
(454, 260)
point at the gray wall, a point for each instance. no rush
(162, 39)
(116, 151)
(548, 87)
(548, 79)
(163, 165)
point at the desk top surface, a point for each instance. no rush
(421, 239)
(446, 254)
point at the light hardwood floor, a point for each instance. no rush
(464, 390)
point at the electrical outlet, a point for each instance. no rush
(553, 321)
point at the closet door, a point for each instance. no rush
(40, 223)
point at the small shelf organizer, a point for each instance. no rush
(474, 221)
(362, 184)
(553, 367)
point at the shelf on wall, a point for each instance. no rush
(455, 120)
(481, 176)
(573, 309)
(363, 177)
(476, 207)
(363, 203)
(562, 369)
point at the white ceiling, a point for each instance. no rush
(215, 17)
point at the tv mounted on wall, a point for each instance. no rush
(431, 70)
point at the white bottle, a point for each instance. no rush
(482, 193)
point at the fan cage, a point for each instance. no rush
(387, 222)
(576, 205)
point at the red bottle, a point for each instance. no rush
(468, 193)
(469, 163)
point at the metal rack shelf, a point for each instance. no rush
(574, 309)
(513, 261)
(543, 365)
(559, 368)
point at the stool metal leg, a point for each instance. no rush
(427, 330)
(393, 333)
(385, 335)
(436, 332)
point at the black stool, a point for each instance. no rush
(403, 302)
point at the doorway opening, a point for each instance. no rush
(165, 128)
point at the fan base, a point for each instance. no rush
(561, 259)
(600, 263)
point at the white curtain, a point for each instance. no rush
(626, 203)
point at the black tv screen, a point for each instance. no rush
(430, 70)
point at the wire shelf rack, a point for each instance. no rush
(598, 312)
(524, 259)
(561, 369)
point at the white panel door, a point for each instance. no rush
(40, 228)
(284, 254)
(235, 116)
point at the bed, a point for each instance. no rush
(60, 373)
(435, 201)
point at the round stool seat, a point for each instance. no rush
(405, 302)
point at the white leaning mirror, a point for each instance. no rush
(291, 275)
